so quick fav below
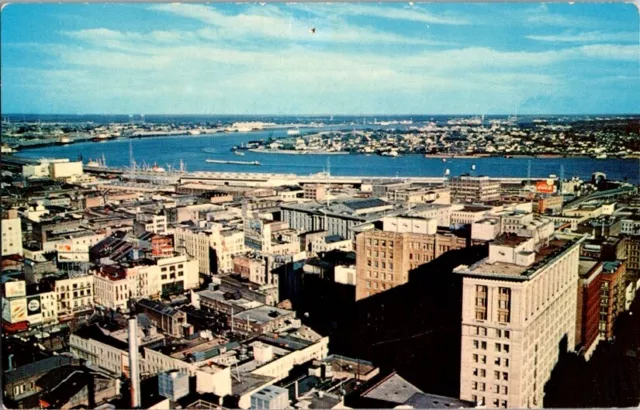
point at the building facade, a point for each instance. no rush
(518, 305)
(475, 189)
(11, 233)
(384, 258)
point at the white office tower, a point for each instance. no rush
(134, 366)
(518, 305)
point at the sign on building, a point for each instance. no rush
(15, 289)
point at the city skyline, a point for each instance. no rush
(362, 59)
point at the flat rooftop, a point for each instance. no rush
(202, 345)
(513, 271)
(510, 240)
(263, 314)
(393, 389)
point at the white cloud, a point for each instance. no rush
(588, 37)
(270, 23)
(390, 11)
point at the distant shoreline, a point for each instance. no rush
(293, 152)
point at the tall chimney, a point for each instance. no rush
(134, 370)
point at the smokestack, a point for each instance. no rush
(91, 389)
(134, 370)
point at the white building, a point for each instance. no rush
(36, 170)
(630, 225)
(150, 222)
(518, 305)
(345, 275)
(74, 295)
(112, 292)
(11, 234)
(58, 170)
(203, 243)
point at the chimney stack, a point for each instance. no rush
(134, 370)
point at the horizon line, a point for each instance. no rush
(323, 114)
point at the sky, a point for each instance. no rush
(364, 58)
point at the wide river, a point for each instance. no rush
(194, 150)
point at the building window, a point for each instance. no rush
(475, 358)
(504, 305)
(498, 347)
(476, 344)
(481, 302)
(505, 376)
(496, 375)
(483, 345)
(506, 348)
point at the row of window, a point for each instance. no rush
(504, 303)
(498, 361)
(382, 243)
(499, 333)
(172, 267)
(499, 347)
(380, 265)
(381, 254)
(380, 275)
(383, 286)
(172, 275)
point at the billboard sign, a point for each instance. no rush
(73, 253)
(545, 187)
(15, 289)
(14, 311)
(34, 306)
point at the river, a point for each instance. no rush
(194, 150)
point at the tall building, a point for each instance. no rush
(632, 245)
(519, 303)
(475, 189)
(11, 233)
(385, 257)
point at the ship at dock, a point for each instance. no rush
(217, 161)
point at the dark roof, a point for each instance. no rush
(36, 368)
(94, 332)
(158, 307)
(149, 395)
(432, 401)
(358, 204)
(62, 384)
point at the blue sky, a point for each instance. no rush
(364, 58)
